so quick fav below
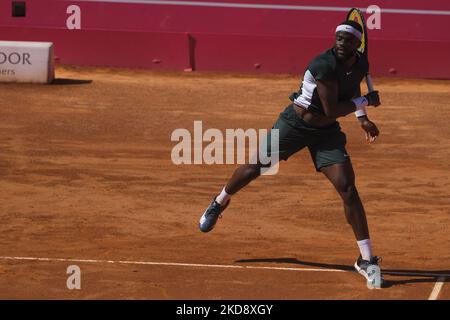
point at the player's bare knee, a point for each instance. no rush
(348, 193)
(250, 171)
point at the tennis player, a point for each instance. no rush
(330, 90)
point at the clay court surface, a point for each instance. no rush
(86, 174)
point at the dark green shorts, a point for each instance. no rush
(326, 145)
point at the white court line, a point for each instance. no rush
(437, 288)
(411, 273)
(262, 6)
(223, 266)
(168, 264)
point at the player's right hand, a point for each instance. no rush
(373, 99)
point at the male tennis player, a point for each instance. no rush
(330, 89)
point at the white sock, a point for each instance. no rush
(365, 247)
(223, 197)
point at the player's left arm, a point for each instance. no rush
(370, 128)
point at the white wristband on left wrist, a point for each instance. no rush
(361, 111)
(360, 103)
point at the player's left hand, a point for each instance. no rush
(371, 130)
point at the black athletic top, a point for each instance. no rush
(327, 67)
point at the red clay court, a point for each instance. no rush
(87, 179)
